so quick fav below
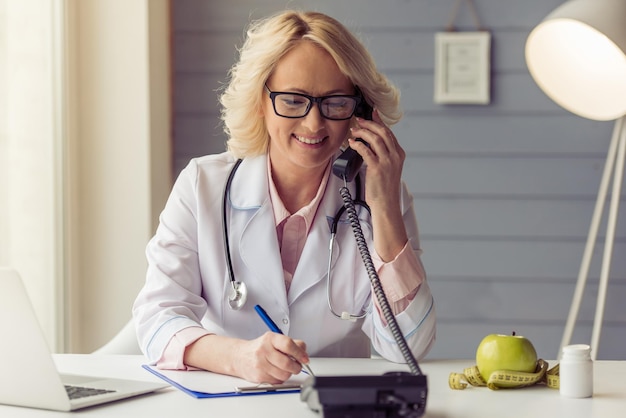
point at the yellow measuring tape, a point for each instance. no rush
(506, 379)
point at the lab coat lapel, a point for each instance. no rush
(258, 245)
(313, 263)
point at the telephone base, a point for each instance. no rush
(394, 394)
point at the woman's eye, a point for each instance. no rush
(294, 101)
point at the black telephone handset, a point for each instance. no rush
(347, 165)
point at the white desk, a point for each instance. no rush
(609, 394)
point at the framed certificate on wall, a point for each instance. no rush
(462, 67)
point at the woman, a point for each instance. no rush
(288, 109)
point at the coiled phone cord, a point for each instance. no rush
(375, 281)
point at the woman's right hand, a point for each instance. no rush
(270, 358)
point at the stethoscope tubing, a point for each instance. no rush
(229, 261)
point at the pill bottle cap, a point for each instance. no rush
(577, 350)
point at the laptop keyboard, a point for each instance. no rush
(76, 392)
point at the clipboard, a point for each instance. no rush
(202, 384)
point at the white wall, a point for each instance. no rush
(120, 170)
(30, 219)
(4, 246)
(85, 162)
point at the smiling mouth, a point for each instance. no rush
(309, 141)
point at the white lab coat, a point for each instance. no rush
(188, 284)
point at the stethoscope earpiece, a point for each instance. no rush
(238, 295)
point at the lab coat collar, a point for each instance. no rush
(253, 213)
(249, 189)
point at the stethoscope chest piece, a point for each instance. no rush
(238, 295)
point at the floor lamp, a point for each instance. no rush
(577, 56)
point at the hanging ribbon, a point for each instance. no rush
(455, 11)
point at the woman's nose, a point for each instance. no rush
(314, 119)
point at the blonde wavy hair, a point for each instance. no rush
(266, 42)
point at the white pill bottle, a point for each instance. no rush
(576, 371)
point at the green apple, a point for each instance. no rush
(505, 352)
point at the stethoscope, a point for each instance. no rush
(238, 294)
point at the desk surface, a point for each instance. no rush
(609, 398)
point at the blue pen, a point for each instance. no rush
(274, 328)
(266, 318)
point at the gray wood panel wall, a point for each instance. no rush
(504, 192)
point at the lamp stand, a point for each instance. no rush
(614, 167)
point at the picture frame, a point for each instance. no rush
(462, 67)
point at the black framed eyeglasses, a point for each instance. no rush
(298, 105)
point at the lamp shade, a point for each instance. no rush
(577, 56)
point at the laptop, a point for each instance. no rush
(28, 374)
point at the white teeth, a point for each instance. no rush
(309, 141)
